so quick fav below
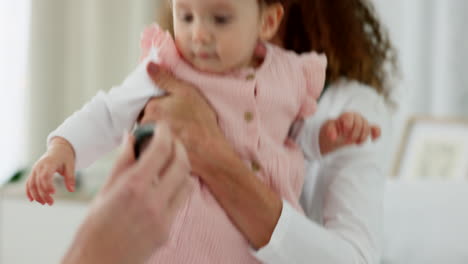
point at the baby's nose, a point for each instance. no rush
(201, 34)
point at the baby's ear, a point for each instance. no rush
(271, 20)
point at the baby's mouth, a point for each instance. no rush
(204, 55)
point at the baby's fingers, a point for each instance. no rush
(30, 189)
(46, 174)
(28, 192)
(32, 186)
(366, 130)
(42, 189)
(346, 122)
(331, 130)
(356, 131)
(375, 132)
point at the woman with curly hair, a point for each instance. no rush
(343, 192)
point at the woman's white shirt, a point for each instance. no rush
(343, 192)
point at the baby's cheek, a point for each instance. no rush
(183, 48)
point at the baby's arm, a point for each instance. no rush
(90, 133)
(319, 137)
(98, 127)
(349, 128)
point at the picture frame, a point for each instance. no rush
(433, 148)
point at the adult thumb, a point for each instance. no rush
(125, 159)
(127, 156)
(161, 77)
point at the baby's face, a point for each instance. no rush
(217, 35)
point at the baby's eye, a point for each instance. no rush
(222, 20)
(187, 18)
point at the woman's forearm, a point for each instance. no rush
(252, 206)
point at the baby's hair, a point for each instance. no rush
(164, 15)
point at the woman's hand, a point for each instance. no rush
(188, 114)
(251, 205)
(133, 213)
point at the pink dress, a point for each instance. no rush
(256, 109)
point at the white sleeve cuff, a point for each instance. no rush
(308, 139)
(271, 253)
(297, 239)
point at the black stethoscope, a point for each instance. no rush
(143, 135)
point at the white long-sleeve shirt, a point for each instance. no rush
(343, 192)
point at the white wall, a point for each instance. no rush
(431, 39)
(14, 22)
(78, 48)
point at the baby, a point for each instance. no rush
(260, 93)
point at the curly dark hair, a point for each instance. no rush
(348, 32)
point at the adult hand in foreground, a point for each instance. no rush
(188, 114)
(133, 213)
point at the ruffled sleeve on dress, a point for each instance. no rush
(314, 69)
(155, 39)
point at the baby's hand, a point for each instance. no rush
(59, 158)
(349, 128)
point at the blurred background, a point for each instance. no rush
(56, 54)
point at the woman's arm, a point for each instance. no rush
(250, 204)
(258, 212)
(348, 194)
(351, 227)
